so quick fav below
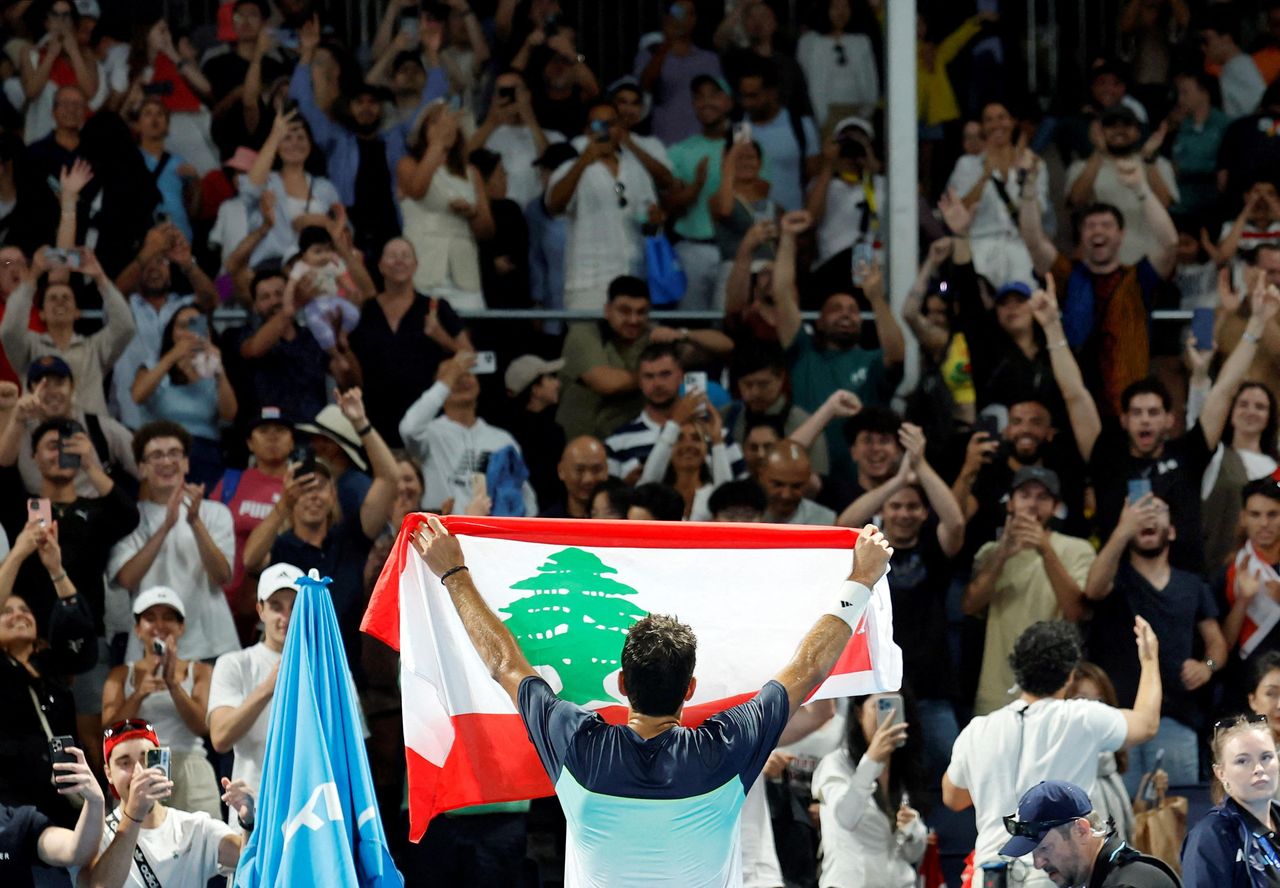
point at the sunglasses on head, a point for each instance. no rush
(1032, 829)
(125, 726)
(1252, 718)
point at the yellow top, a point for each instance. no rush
(935, 99)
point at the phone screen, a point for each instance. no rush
(199, 326)
(1138, 488)
(1202, 328)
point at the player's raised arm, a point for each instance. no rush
(492, 639)
(822, 646)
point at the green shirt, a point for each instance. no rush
(817, 372)
(685, 155)
(583, 412)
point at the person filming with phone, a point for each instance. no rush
(871, 834)
(89, 357)
(148, 843)
(189, 385)
(169, 692)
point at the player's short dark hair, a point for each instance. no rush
(618, 493)
(1267, 663)
(745, 494)
(62, 425)
(1148, 386)
(657, 663)
(161, 428)
(1044, 656)
(261, 276)
(660, 501)
(872, 418)
(759, 356)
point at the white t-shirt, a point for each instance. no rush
(209, 628)
(519, 151)
(760, 867)
(181, 851)
(450, 453)
(235, 675)
(842, 223)
(1139, 240)
(1000, 756)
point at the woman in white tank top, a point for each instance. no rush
(171, 694)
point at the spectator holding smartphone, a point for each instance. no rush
(30, 836)
(170, 693)
(189, 852)
(189, 385)
(37, 702)
(89, 357)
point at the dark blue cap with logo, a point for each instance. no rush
(1048, 804)
(47, 365)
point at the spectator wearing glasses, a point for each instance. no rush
(149, 843)
(183, 541)
(607, 196)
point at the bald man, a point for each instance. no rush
(786, 474)
(583, 467)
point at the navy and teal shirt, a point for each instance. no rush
(658, 811)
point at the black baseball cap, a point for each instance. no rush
(270, 416)
(47, 365)
(1038, 475)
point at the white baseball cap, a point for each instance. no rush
(158, 595)
(280, 575)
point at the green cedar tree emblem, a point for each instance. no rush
(575, 621)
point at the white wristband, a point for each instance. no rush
(854, 598)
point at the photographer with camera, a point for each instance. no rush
(148, 843)
(89, 357)
(846, 196)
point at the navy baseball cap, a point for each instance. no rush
(1048, 804)
(1014, 288)
(47, 365)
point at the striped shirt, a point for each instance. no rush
(629, 447)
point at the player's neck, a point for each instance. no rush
(650, 726)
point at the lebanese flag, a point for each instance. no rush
(569, 591)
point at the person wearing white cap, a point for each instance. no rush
(335, 441)
(171, 694)
(534, 388)
(846, 197)
(244, 682)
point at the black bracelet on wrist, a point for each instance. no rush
(360, 433)
(130, 816)
(451, 571)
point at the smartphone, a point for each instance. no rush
(486, 362)
(742, 131)
(58, 747)
(479, 484)
(304, 460)
(55, 255)
(157, 646)
(551, 26)
(676, 11)
(410, 24)
(1149, 792)
(507, 93)
(39, 509)
(989, 424)
(995, 874)
(158, 758)
(600, 130)
(695, 381)
(66, 460)
(163, 88)
(288, 106)
(891, 703)
(1202, 328)
(199, 325)
(863, 255)
(455, 103)
(1138, 488)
